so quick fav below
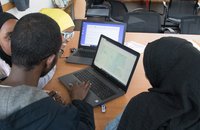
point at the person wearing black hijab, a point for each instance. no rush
(173, 103)
(7, 24)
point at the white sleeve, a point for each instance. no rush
(4, 69)
(44, 80)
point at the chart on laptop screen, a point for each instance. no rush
(115, 61)
(91, 32)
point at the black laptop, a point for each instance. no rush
(110, 72)
(89, 37)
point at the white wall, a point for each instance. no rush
(35, 6)
(4, 1)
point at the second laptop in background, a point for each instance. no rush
(89, 36)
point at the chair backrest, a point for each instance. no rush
(90, 3)
(190, 25)
(1, 10)
(181, 8)
(97, 2)
(143, 21)
(118, 10)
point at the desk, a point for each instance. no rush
(138, 84)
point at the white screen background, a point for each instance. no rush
(115, 61)
(93, 33)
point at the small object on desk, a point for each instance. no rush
(103, 108)
(72, 50)
(70, 85)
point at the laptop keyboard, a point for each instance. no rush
(82, 53)
(98, 87)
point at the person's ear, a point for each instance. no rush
(50, 60)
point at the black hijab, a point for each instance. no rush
(172, 66)
(4, 17)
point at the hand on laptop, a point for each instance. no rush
(55, 96)
(79, 91)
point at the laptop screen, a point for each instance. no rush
(91, 31)
(115, 60)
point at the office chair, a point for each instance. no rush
(117, 10)
(96, 8)
(143, 21)
(190, 25)
(97, 2)
(176, 9)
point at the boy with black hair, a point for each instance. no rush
(7, 24)
(35, 44)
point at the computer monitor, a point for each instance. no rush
(91, 31)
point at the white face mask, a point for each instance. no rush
(61, 3)
(67, 36)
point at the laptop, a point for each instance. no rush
(89, 37)
(110, 72)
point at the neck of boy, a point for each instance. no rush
(21, 76)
